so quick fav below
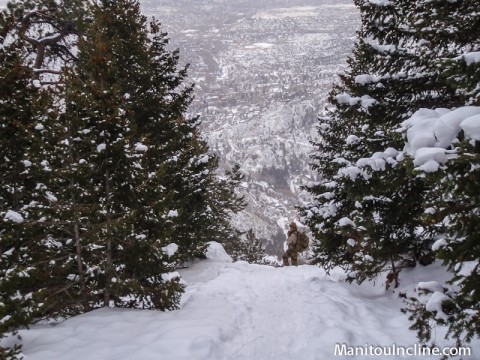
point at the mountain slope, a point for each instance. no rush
(262, 70)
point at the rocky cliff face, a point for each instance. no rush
(262, 69)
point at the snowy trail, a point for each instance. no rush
(236, 311)
(297, 313)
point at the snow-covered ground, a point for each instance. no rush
(241, 311)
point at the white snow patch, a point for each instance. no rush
(352, 139)
(170, 249)
(5, 319)
(13, 216)
(434, 304)
(345, 221)
(350, 171)
(440, 243)
(290, 12)
(430, 286)
(380, 2)
(430, 211)
(470, 58)
(203, 159)
(347, 99)
(471, 127)
(50, 197)
(170, 276)
(366, 79)
(141, 147)
(259, 46)
(466, 268)
(426, 154)
(101, 147)
(172, 213)
(430, 133)
(216, 253)
(367, 101)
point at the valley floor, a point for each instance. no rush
(239, 311)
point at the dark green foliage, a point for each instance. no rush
(455, 198)
(22, 195)
(457, 207)
(140, 174)
(246, 248)
(254, 249)
(122, 98)
(368, 215)
(356, 219)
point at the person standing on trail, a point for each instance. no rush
(291, 252)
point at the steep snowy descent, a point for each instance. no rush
(237, 311)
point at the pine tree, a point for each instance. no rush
(31, 258)
(356, 218)
(129, 187)
(110, 90)
(456, 201)
(159, 199)
(46, 31)
(456, 211)
(22, 195)
(223, 201)
(254, 249)
(246, 247)
(69, 223)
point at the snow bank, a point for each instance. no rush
(238, 311)
(216, 253)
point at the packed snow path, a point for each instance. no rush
(236, 311)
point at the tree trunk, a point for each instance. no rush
(80, 265)
(394, 271)
(109, 263)
(76, 232)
